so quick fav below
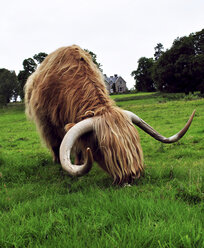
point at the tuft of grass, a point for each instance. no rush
(41, 206)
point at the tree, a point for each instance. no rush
(40, 57)
(180, 69)
(94, 58)
(114, 88)
(8, 85)
(158, 51)
(198, 61)
(22, 78)
(29, 66)
(143, 75)
(198, 72)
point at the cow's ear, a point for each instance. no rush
(68, 126)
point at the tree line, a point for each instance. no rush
(11, 85)
(178, 69)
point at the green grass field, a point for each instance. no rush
(41, 206)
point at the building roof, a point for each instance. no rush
(112, 79)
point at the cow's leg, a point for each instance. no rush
(51, 136)
(55, 154)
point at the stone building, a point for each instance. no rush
(115, 84)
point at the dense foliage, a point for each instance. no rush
(8, 86)
(143, 75)
(179, 69)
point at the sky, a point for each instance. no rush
(119, 32)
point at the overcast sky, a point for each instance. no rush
(119, 32)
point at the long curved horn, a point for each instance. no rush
(148, 129)
(68, 141)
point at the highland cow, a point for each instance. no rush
(67, 99)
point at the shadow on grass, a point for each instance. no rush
(12, 107)
(188, 197)
(162, 97)
(139, 97)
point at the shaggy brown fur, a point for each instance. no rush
(67, 88)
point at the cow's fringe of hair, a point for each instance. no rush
(119, 140)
